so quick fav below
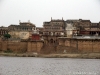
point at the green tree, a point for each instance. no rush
(7, 36)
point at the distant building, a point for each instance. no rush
(78, 27)
(35, 35)
(84, 27)
(40, 29)
(53, 29)
(70, 29)
(3, 30)
(21, 31)
(95, 28)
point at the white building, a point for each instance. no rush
(69, 28)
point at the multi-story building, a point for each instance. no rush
(3, 30)
(53, 29)
(40, 29)
(21, 31)
(95, 29)
(78, 27)
(70, 28)
(84, 27)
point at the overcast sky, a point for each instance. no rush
(38, 11)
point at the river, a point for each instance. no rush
(48, 66)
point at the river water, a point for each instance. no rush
(48, 66)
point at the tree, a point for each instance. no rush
(7, 36)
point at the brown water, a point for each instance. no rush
(48, 66)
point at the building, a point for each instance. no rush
(95, 29)
(78, 27)
(35, 35)
(84, 27)
(3, 30)
(53, 29)
(70, 29)
(40, 29)
(21, 31)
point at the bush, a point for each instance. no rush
(8, 51)
(7, 36)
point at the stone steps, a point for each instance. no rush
(47, 49)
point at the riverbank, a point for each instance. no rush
(67, 55)
(88, 56)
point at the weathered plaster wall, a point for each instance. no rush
(34, 46)
(80, 45)
(21, 46)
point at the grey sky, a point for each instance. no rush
(38, 11)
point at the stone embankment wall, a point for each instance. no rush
(66, 45)
(13, 46)
(34, 46)
(78, 45)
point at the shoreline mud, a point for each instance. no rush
(67, 55)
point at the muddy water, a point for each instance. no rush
(48, 66)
